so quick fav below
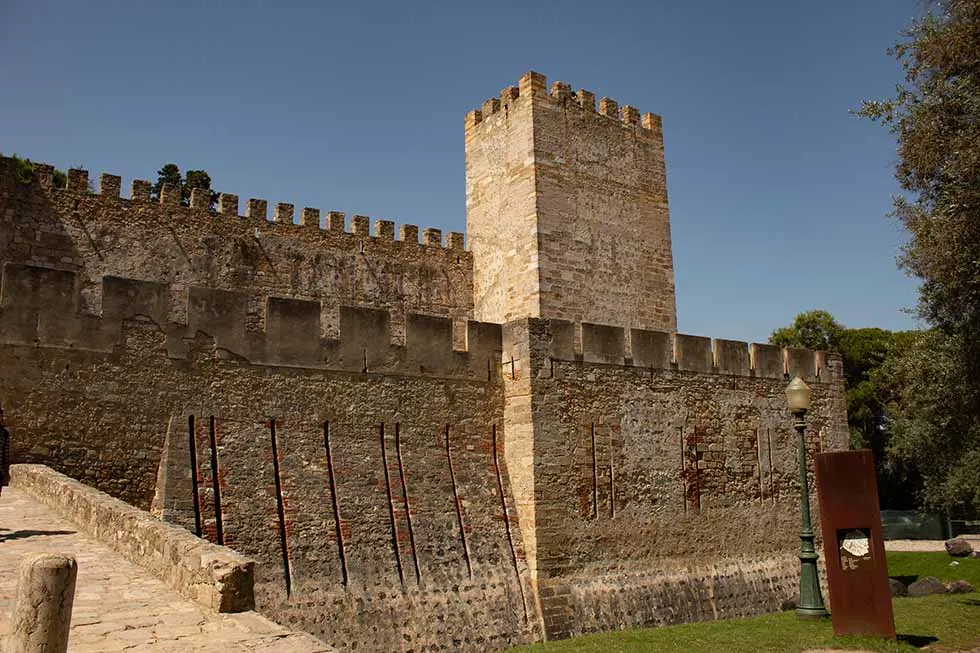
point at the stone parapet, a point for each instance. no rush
(589, 344)
(40, 306)
(214, 576)
(256, 209)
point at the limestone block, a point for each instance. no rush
(801, 363)
(767, 361)
(732, 356)
(292, 330)
(651, 348)
(365, 338)
(958, 547)
(42, 615)
(429, 343)
(603, 344)
(221, 314)
(693, 353)
(926, 586)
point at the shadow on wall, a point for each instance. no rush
(43, 305)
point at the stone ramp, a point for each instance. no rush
(120, 606)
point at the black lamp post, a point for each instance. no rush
(811, 601)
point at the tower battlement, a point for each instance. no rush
(566, 209)
(648, 125)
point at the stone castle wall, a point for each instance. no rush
(102, 234)
(343, 411)
(677, 460)
(367, 479)
(567, 209)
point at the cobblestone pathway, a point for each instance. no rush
(119, 606)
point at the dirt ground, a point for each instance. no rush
(928, 545)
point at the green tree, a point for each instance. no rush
(170, 174)
(935, 116)
(25, 169)
(932, 418)
(197, 179)
(863, 351)
(816, 330)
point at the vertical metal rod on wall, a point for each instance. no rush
(338, 528)
(280, 508)
(195, 496)
(215, 483)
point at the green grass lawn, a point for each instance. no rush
(901, 564)
(949, 622)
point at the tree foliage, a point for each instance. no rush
(24, 172)
(170, 174)
(864, 352)
(933, 420)
(817, 330)
(935, 117)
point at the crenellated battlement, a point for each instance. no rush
(586, 343)
(39, 306)
(255, 209)
(243, 246)
(535, 85)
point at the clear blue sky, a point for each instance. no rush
(777, 194)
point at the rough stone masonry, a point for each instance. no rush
(425, 448)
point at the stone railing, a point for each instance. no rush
(212, 575)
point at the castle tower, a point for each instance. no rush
(566, 209)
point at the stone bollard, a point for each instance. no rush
(45, 593)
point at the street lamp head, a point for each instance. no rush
(798, 396)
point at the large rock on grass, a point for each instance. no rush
(898, 587)
(958, 547)
(926, 586)
(960, 587)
